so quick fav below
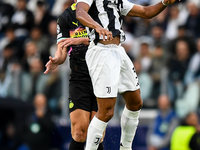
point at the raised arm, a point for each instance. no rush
(83, 16)
(148, 12)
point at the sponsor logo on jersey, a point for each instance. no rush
(75, 23)
(79, 32)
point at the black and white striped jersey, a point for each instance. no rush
(108, 13)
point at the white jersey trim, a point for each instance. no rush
(89, 2)
(127, 6)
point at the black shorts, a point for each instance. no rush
(81, 96)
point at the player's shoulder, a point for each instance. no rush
(67, 15)
(64, 14)
(69, 12)
(64, 17)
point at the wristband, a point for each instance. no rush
(163, 3)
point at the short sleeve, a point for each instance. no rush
(127, 6)
(62, 29)
(89, 2)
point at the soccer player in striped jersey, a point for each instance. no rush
(110, 68)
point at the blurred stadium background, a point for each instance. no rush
(34, 107)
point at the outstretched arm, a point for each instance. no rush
(148, 12)
(59, 58)
(61, 53)
(83, 16)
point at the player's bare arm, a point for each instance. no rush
(59, 58)
(73, 41)
(83, 16)
(148, 12)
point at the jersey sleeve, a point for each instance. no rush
(62, 29)
(127, 6)
(89, 2)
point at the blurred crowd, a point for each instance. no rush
(165, 51)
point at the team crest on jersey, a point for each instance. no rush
(78, 32)
(71, 104)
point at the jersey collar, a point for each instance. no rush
(73, 6)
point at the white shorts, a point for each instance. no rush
(111, 70)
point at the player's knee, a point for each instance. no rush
(109, 114)
(79, 131)
(80, 135)
(106, 115)
(135, 106)
(139, 105)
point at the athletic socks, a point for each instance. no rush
(125, 148)
(80, 145)
(129, 122)
(95, 133)
(76, 145)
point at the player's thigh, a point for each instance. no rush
(81, 96)
(104, 67)
(133, 100)
(128, 77)
(79, 120)
(105, 104)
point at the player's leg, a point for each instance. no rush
(101, 147)
(104, 66)
(129, 86)
(129, 118)
(80, 105)
(79, 124)
(99, 122)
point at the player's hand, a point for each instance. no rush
(69, 41)
(103, 32)
(169, 2)
(51, 64)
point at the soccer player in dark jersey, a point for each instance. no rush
(72, 40)
(110, 68)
